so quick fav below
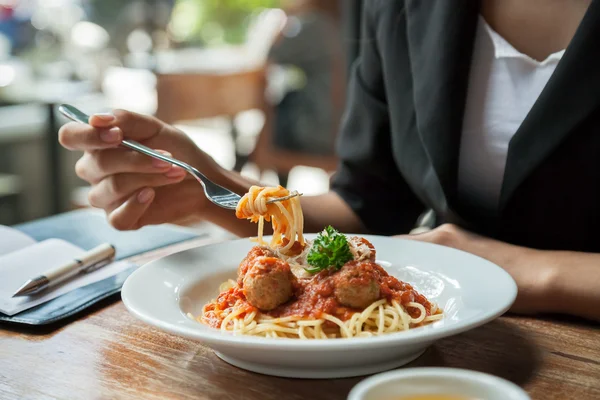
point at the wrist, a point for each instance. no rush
(557, 300)
(546, 294)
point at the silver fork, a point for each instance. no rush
(217, 194)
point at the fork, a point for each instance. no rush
(217, 194)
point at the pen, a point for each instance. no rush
(88, 262)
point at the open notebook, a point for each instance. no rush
(33, 247)
(22, 258)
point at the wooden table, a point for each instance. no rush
(107, 354)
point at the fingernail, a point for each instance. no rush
(112, 135)
(106, 117)
(145, 195)
(175, 172)
(156, 163)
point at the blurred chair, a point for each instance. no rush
(218, 82)
(190, 96)
(221, 82)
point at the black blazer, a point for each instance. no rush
(401, 132)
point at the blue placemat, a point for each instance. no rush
(88, 228)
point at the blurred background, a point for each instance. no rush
(258, 84)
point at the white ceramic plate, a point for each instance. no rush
(470, 290)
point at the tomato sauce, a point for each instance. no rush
(314, 296)
(296, 249)
(231, 297)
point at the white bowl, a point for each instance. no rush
(436, 381)
(470, 290)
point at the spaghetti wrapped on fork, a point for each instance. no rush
(285, 216)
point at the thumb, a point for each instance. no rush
(102, 120)
(128, 215)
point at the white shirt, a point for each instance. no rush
(503, 86)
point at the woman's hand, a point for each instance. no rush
(530, 268)
(134, 189)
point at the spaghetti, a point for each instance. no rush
(275, 296)
(285, 216)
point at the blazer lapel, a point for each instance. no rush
(440, 39)
(572, 92)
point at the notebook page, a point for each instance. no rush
(13, 240)
(21, 265)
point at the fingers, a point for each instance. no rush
(445, 235)
(107, 130)
(102, 120)
(97, 165)
(128, 214)
(420, 237)
(137, 126)
(167, 205)
(110, 192)
(76, 136)
(188, 196)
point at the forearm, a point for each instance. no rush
(561, 282)
(574, 284)
(319, 211)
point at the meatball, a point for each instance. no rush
(248, 261)
(357, 284)
(268, 283)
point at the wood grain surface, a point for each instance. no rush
(108, 354)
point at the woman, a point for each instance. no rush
(455, 106)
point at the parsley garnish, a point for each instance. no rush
(329, 249)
